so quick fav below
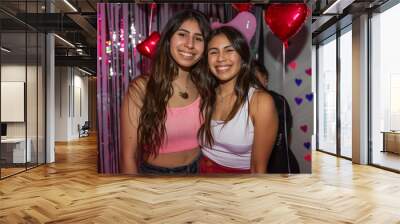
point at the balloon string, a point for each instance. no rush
(284, 104)
(283, 68)
(151, 18)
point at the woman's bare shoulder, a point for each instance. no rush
(139, 83)
(262, 95)
(262, 100)
(137, 90)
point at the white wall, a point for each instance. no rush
(71, 93)
(80, 84)
(61, 103)
(12, 73)
(32, 127)
(16, 73)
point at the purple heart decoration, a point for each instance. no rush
(298, 82)
(310, 97)
(308, 71)
(307, 145)
(298, 100)
(304, 128)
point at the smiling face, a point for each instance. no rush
(187, 44)
(223, 60)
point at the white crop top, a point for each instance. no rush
(233, 141)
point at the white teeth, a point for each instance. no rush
(222, 68)
(186, 54)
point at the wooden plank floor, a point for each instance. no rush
(10, 171)
(71, 191)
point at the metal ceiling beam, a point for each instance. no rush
(329, 13)
(49, 22)
(319, 23)
(337, 7)
(81, 21)
(86, 26)
(83, 61)
(15, 18)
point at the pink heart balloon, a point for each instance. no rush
(245, 22)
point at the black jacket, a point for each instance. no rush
(282, 159)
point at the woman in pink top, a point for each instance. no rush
(241, 121)
(160, 114)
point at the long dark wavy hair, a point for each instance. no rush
(151, 129)
(244, 81)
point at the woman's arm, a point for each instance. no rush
(265, 120)
(130, 113)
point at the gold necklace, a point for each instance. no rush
(183, 94)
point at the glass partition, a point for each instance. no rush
(14, 151)
(32, 95)
(41, 85)
(22, 88)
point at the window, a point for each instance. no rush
(385, 86)
(346, 93)
(327, 96)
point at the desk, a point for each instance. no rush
(391, 141)
(15, 148)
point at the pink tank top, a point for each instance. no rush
(181, 126)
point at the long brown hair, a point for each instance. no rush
(244, 81)
(151, 129)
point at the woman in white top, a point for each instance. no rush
(240, 119)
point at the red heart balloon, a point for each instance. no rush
(286, 19)
(241, 7)
(148, 46)
(153, 5)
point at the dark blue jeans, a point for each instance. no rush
(192, 168)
